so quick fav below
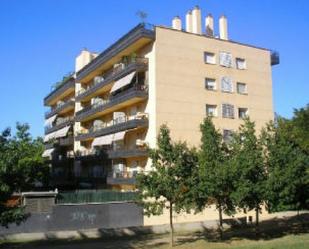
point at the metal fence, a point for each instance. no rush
(94, 196)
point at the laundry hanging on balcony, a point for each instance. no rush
(103, 140)
(49, 122)
(62, 132)
(48, 153)
(123, 82)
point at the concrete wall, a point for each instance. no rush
(77, 217)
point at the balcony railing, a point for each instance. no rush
(60, 107)
(136, 64)
(60, 123)
(126, 153)
(121, 177)
(114, 126)
(138, 91)
(114, 153)
(274, 58)
(66, 141)
(61, 142)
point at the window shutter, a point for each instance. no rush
(226, 84)
(225, 59)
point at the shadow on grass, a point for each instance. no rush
(268, 229)
(143, 238)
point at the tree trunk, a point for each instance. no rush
(171, 226)
(220, 221)
(257, 220)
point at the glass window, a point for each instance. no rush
(209, 58)
(210, 84)
(241, 88)
(242, 112)
(227, 111)
(226, 84)
(211, 110)
(225, 59)
(240, 63)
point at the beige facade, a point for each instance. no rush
(152, 76)
(181, 96)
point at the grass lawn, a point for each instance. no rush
(287, 242)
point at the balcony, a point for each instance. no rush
(127, 153)
(112, 154)
(136, 38)
(63, 142)
(60, 124)
(130, 96)
(274, 58)
(121, 177)
(61, 108)
(135, 64)
(113, 127)
(61, 89)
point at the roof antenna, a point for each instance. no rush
(142, 15)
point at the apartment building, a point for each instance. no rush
(104, 116)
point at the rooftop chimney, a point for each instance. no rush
(83, 59)
(189, 21)
(196, 20)
(176, 23)
(209, 23)
(223, 28)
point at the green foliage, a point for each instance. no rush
(21, 165)
(247, 163)
(170, 178)
(214, 172)
(288, 168)
(167, 185)
(298, 127)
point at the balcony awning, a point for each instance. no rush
(48, 153)
(49, 136)
(62, 132)
(119, 136)
(49, 122)
(123, 82)
(103, 140)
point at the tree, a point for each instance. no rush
(288, 169)
(167, 184)
(298, 127)
(21, 165)
(247, 163)
(214, 173)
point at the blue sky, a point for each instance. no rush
(40, 40)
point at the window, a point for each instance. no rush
(227, 135)
(226, 84)
(209, 58)
(210, 84)
(211, 110)
(241, 88)
(242, 112)
(225, 59)
(227, 111)
(240, 63)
